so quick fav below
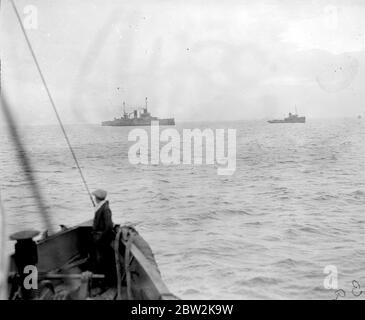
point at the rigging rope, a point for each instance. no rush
(52, 102)
(117, 263)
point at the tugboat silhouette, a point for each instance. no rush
(292, 118)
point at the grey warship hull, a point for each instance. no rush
(298, 120)
(138, 122)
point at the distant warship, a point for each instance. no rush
(137, 118)
(292, 118)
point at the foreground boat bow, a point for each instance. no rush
(63, 261)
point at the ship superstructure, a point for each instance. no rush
(138, 118)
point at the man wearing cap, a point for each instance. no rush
(103, 234)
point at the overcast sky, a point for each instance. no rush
(194, 60)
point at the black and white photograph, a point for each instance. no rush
(182, 151)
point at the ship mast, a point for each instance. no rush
(3, 254)
(146, 104)
(0, 76)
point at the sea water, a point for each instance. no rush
(294, 206)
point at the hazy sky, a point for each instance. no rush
(194, 60)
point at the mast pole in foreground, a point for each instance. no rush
(3, 255)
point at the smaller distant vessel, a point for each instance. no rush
(137, 118)
(291, 118)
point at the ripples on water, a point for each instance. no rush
(294, 205)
